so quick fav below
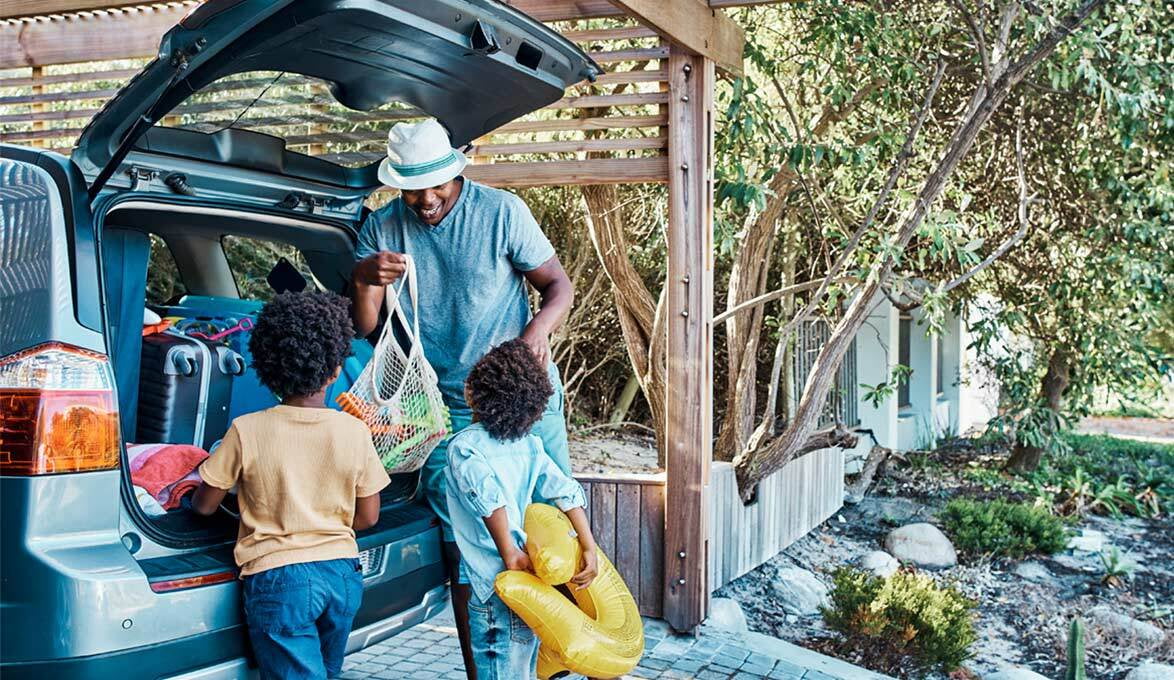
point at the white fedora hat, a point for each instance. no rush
(419, 156)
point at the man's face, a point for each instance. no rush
(431, 205)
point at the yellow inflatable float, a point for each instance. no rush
(600, 634)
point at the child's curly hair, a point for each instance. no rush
(509, 389)
(298, 341)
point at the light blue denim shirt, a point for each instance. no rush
(485, 474)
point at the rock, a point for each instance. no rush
(799, 592)
(921, 544)
(879, 563)
(1151, 670)
(726, 614)
(1034, 572)
(1120, 625)
(1014, 673)
(1089, 540)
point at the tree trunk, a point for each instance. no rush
(640, 318)
(1025, 457)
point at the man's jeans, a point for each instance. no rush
(300, 616)
(504, 647)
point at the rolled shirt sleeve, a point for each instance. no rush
(223, 468)
(368, 243)
(554, 485)
(528, 247)
(476, 486)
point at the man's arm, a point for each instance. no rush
(369, 279)
(554, 286)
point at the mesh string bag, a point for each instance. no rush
(397, 395)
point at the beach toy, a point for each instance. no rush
(600, 634)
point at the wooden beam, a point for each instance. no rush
(688, 322)
(556, 173)
(695, 26)
(29, 8)
(99, 36)
(543, 10)
(569, 146)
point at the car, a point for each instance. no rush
(196, 227)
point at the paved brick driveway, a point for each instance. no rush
(429, 651)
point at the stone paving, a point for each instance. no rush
(430, 651)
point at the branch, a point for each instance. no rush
(1019, 234)
(1063, 28)
(775, 295)
(979, 40)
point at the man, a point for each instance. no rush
(474, 248)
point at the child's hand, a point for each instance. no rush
(518, 560)
(590, 570)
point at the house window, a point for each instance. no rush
(904, 336)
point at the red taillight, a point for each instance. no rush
(57, 412)
(192, 582)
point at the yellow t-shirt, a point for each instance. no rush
(298, 472)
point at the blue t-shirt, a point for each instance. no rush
(469, 269)
(485, 474)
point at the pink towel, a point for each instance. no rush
(139, 454)
(165, 467)
(172, 495)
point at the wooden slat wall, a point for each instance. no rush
(613, 131)
(790, 503)
(627, 518)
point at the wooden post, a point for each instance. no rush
(39, 107)
(688, 310)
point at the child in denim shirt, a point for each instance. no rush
(495, 469)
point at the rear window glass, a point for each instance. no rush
(297, 108)
(164, 284)
(252, 259)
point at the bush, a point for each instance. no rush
(1003, 529)
(902, 623)
(1107, 475)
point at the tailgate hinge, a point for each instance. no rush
(141, 178)
(300, 200)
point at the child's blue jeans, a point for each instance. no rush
(300, 616)
(504, 647)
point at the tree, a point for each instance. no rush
(871, 254)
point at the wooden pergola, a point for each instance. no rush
(671, 85)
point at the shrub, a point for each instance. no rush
(905, 622)
(1003, 529)
(1107, 475)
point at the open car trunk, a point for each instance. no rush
(176, 260)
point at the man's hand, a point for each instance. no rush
(518, 560)
(538, 342)
(589, 571)
(380, 269)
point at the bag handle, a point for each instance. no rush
(391, 302)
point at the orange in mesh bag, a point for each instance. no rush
(396, 395)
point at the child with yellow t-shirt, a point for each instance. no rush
(307, 477)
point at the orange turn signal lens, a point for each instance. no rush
(57, 412)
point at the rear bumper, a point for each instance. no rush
(158, 661)
(433, 602)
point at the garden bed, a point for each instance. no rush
(1023, 606)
